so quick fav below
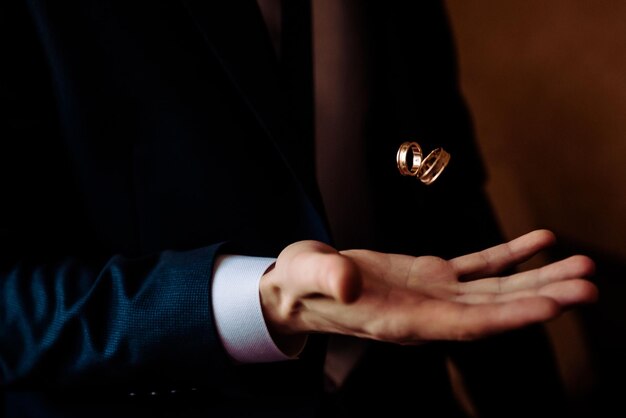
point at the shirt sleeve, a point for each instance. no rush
(237, 310)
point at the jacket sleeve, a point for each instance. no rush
(70, 322)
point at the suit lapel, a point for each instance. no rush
(236, 34)
(249, 61)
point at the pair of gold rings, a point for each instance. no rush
(426, 170)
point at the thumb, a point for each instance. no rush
(316, 270)
(305, 270)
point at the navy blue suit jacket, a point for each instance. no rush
(139, 139)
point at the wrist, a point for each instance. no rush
(280, 316)
(238, 312)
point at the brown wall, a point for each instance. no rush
(546, 83)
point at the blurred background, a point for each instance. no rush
(546, 84)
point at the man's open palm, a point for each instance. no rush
(408, 300)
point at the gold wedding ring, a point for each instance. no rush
(433, 165)
(401, 158)
(426, 170)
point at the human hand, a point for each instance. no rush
(408, 300)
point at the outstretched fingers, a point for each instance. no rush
(565, 293)
(457, 321)
(503, 256)
(577, 266)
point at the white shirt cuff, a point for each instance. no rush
(237, 309)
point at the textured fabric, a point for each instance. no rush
(237, 310)
(67, 321)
